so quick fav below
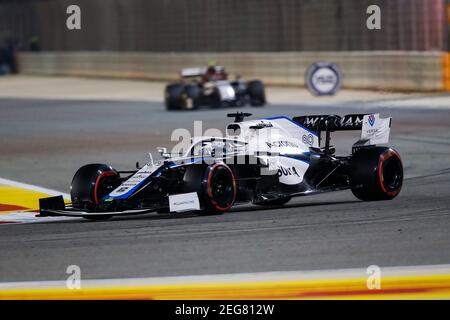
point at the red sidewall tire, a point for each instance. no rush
(211, 201)
(96, 192)
(88, 187)
(376, 174)
(389, 155)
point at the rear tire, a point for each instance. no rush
(90, 184)
(256, 93)
(376, 174)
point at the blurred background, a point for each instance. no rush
(275, 40)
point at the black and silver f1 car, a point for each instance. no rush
(264, 162)
(210, 87)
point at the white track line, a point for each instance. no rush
(357, 273)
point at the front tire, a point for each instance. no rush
(215, 186)
(376, 174)
(90, 184)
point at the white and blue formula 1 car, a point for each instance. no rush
(264, 162)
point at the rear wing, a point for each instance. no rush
(198, 72)
(374, 130)
(192, 72)
(318, 123)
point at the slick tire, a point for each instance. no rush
(376, 174)
(215, 185)
(90, 184)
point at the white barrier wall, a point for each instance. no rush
(380, 70)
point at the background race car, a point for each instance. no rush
(210, 87)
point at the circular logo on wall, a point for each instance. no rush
(323, 79)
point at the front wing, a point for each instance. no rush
(55, 206)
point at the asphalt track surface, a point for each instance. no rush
(43, 142)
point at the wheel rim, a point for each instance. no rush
(391, 173)
(102, 183)
(221, 187)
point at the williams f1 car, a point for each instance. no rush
(265, 162)
(210, 87)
